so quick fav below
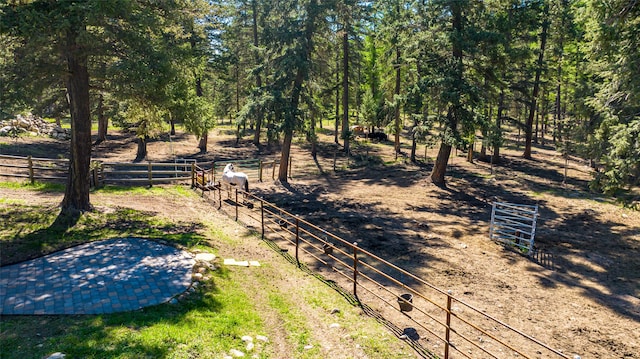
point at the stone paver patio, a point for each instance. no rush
(100, 277)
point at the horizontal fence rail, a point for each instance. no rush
(139, 173)
(435, 322)
(34, 168)
(149, 173)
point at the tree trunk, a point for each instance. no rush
(397, 102)
(536, 87)
(301, 74)
(283, 170)
(496, 148)
(142, 148)
(337, 96)
(204, 138)
(259, 115)
(202, 144)
(237, 77)
(76, 196)
(440, 166)
(312, 131)
(537, 121)
(345, 87)
(103, 121)
(414, 143)
(485, 132)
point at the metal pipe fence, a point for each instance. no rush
(438, 324)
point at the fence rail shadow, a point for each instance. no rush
(432, 320)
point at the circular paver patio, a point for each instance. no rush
(100, 277)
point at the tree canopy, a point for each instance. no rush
(560, 71)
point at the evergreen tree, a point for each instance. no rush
(614, 59)
(67, 37)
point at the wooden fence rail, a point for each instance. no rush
(141, 173)
(451, 327)
(33, 168)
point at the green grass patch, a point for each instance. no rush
(64, 122)
(295, 325)
(32, 231)
(146, 191)
(207, 324)
(374, 340)
(36, 186)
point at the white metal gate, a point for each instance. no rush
(514, 225)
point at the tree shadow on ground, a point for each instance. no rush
(102, 335)
(384, 234)
(36, 231)
(387, 234)
(587, 256)
(41, 147)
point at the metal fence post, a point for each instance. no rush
(448, 327)
(297, 239)
(262, 217)
(355, 269)
(236, 204)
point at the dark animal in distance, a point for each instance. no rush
(380, 136)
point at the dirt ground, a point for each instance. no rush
(580, 294)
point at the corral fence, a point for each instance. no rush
(140, 173)
(34, 168)
(434, 322)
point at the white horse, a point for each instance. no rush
(232, 178)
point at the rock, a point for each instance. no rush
(197, 276)
(207, 257)
(262, 338)
(250, 346)
(308, 346)
(23, 123)
(334, 325)
(247, 338)
(56, 355)
(36, 126)
(236, 353)
(335, 310)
